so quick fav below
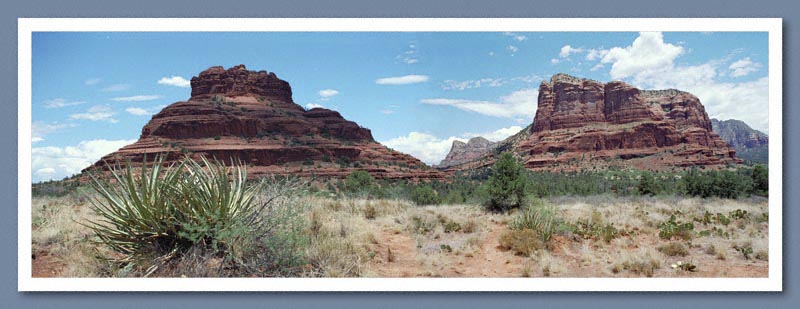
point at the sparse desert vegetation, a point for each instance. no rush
(369, 228)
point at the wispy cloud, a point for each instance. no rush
(743, 67)
(116, 87)
(402, 80)
(326, 94)
(513, 49)
(92, 81)
(138, 111)
(411, 55)
(515, 36)
(40, 129)
(176, 81)
(521, 103)
(474, 83)
(96, 113)
(137, 98)
(59, 102)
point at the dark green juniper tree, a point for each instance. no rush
(507, 184)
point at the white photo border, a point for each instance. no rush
(773, 26)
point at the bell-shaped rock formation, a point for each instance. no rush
(236, 114)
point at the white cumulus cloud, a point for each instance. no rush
(49, 163)
(402, 80)
(647, 52)
(518, 103)
(176, 81)
(650, 63)
(567, 50)
(313, 105)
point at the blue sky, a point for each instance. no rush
(417, 92)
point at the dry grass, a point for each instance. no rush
(368, 238)
(56, 231)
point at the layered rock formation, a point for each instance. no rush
(750, 144)
(237, 114)
(462, 152)
(584, 124)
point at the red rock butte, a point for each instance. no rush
(236, 114)
(584, 124)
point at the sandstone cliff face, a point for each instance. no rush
(750, 144)
(462, 152)
(236, 114)
(584, 124)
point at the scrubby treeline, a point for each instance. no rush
(506, 184)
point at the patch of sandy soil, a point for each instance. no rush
(45, 265)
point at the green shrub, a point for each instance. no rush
(360, 183)
(760, 177)
(425, 195)
(507, 185)
(181, 216)
(647, 185)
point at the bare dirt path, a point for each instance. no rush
(406, 260)
(489, 260)
(396, 255)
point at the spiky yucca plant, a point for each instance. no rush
(169, 209)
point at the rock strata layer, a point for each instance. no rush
(584, 124)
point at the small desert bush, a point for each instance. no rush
(196, 219)
(674, 249)
(644, 263)
(522, 242)
(540, 218)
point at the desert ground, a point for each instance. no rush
(592, 236)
